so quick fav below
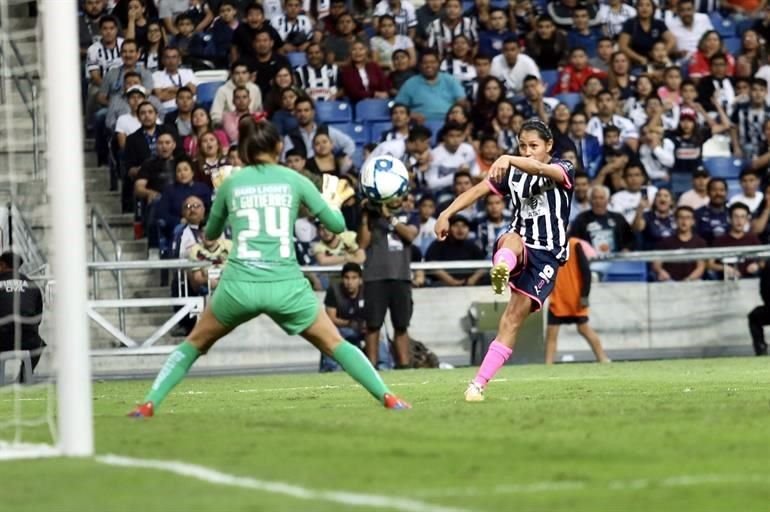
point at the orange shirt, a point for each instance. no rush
(565, 298)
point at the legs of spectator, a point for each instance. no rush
(372, 344)
(151, 228)
(101, 136)
(401, 344)
(29, 340)
(551, 335)
(758, 318)
(587, 332)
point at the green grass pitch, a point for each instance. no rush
(687, 435)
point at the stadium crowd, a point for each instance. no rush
(663, 108)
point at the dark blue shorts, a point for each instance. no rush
(535, 276)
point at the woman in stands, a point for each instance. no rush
(387, 41)
(260, 203)
(211, 159)
(591, 87)
(709, 45)
(619, 75)
(201, 123)
(657, 222)
(284, 77)
(490, 92)
(460, 115)
(529, 255)
(633, 108)
(504, 126)
(363, 79)
(753, 52)
(324, 161)
(283, 118)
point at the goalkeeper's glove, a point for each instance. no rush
(335, 191)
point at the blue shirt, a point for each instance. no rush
(588, 42)
(710, 223)
(491, 41)
(433, 100)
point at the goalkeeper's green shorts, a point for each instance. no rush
(291, 304)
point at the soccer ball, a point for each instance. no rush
(384, 178)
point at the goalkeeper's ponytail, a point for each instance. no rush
(258, 141)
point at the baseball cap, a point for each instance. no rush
(688, 113)
(459, 218)
(700, 172)
(136, 88)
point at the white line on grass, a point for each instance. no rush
(213, 476)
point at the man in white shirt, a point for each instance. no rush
(750, 195)
(656, 154)
(223, 99)
(626, 202)
(512, 67)
(606, 116)
(167, 82)
(688, 27)
(449, 157)
(697, 196)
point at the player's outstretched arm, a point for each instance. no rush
(555, 172)
(463, 201)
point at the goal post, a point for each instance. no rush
(66, 187)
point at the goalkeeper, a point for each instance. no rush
(262, 274)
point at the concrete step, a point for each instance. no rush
(101, 339)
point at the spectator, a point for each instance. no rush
(363, 79)
(561, 12)
(459, 114)
(141, 144)
(626, 201)
(710, 44)
(333, 249)
(640, 33)
(294, 29)
(612, 15)
(491, 224)
(683, 238)
(687, 27)
(634, 106)
(190, 43)
(546, 45)
(717, 89)
(211, 160)
(449, 25)
(607, 231)
(760, 316)
(302, 137)
(462, 182)
(388, 41)
(580, 35)
(323, 160)
(580, 201)
(559, 127)
(619, 76)
(101, 56)
(604, 50)
(414, 152)
(760, 225)
(748, 121)
(535, 103)
(512, 67)
(588, 148)
(588, 104)
(171, 203)
(89, 30)
(196, 11)
(402, 71)
(112, 84)
(151, 52)
(152, 178)
(204, 280)
(424, 219)
(426, 15)
(399, 118)
(284, 77)
(21, 311)
(456, 247)
(243, 37)
(337, 47)
(711, 220)
(657, 222)
(489, 151)
(753, 53)
(491, 39)
(750, 195)
(387, 240)
(265, 62)
(136, 21)
(193, 213)
(319, 80)
(242, 107)
(656, 154)
(430, 94)
(449, 157)
(697, 197)
(344, 303)
(607, 117)
(201, 123)
(172, 78)
(181, 118)
(490, 92)
(523, 15)
(221, 33)
(283, 118)
(129, 123)
(119, 103)
(687, 143)
(736, 236)
(572, 76)
(402, 12)
(459, 63)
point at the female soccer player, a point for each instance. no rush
(531, 251)
(260, 202)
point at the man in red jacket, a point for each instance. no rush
(572, 77)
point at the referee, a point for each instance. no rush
(21, 310)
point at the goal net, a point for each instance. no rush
(45, 400)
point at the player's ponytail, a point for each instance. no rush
(536, 125)
(258, 141)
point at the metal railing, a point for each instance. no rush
(97, 222)
(24, 242)
(19, 74)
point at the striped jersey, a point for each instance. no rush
(440, 36)
(319, 83)
(463, 71)
(540, 207)
(294, 31)
(750, 121)
(405, 17)
(101, 58)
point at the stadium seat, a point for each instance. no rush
(733, 188)
(212, 75)
(733, 45)
(358, 157)
(297, 59)
(571, 99)
(333, 112)
(626, 271)
(376, 130)
(724, 26)
(549, 77)
(434, 127)
(498, 4)
(373, 110)
(680, 182)
(355, 131)
(723, 167)
(206, 92)
(743, 26)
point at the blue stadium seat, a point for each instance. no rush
(376, 129)
(626, 271)
(733, 45)
(373, 110)
(571, 99)
(680, 182)
(550, 77)
(205, 93)
(726, 167)
(357, 132)
(435, 127)
(733, 188)
(358, 157)
(467, 4)
(499, 4)
(743, 26)
(724, 26)
(297, 59)
(333, 112)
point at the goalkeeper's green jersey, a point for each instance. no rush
(260, 203)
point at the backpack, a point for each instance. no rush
(421, 356)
